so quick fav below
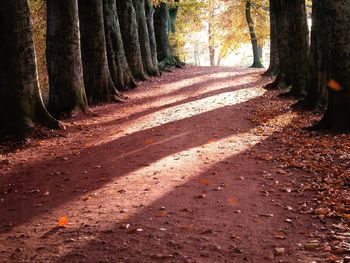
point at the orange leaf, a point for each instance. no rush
(62, 221)
(149, 141)
(162, 214)
(211, 140)
(334, 85)
(204, 181)
(232, 200)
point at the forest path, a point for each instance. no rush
(182, 172)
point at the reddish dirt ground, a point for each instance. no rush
(178, 173)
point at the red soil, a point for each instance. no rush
(178, 173)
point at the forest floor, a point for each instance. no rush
(199, 165)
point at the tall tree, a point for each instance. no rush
(253, 38)
(293, 48)
(336, 38)
(173, 10)
(144, 38)
(274, 59)
(129, 30)
(63, 55)
(211, 32)
(118, 65)
(162, 27)
(151, 34)
(21, 104)
(98, 82)
(317, 90)
(299, 46)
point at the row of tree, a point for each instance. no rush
(228, 24)
(318, 72)
(94, 50)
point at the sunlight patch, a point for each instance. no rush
(183, 111)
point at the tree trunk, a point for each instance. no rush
(21, 104)
(299, 46)
(98, 82)
(129, 30)
(317, 92)
(161, 20)
(144, 38)
(274, 60)
(152, 37)
(63, 54)
(161, 27)
(172, 17)
(211, 46)
(336, 39)
(218, 63)
(257, 62)
(118, 65)
(211, 41)
(284, 78)
(212, 56)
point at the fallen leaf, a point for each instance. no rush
(204, 181)
(232, 201)
(334, 85)
(211, 140)
(149, 141)
(62, 221)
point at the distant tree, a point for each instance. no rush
(21, 105)
(67, 93)
(253, 38)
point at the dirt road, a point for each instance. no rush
(184, 171)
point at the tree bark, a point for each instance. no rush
(274, 59)
(282, 79)
(317, 90)
(211, 46)
(152, 37)
(299, 46)
(21, 104)
(98, 82)
(63, 54)
(130, 35)
(144, 38)
(211, 41)
(161, 27)
(172, 17)
(118, 65)
(256, 54)
(161, 20)
(336, 39)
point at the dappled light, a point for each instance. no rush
(186, 110)
(174, 131)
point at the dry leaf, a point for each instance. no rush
(211, 140)
(204, 181)
(232, 201)
(149, 141)
(334, 85)
(62, 221)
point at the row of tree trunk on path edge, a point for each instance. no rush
(317, 72)
(95, 50)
